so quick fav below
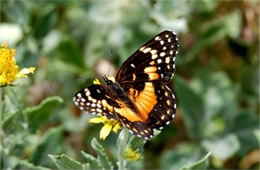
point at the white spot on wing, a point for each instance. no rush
(162, 75)
(162, 54)
(154, 56)
(146, 50)
(167, 60)
(161, 42)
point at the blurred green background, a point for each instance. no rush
(70, 43)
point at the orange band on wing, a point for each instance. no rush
(145, 101)
(127, 112)
(106, 105)
(153, 76)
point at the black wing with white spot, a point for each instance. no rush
(164, 111)
(153, 61)
(96, 100)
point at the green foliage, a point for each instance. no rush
(64, 162)
(216, 83)
(201, 164)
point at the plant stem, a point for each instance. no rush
(122, 142)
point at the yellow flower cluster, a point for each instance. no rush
(131, 155)
(9, 70)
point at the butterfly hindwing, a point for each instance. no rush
(164, 110)
(153, 61)
(154, 102)
(96, 100)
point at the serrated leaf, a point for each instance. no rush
(201, 164)
(102, 157)
(64, 162)
(92, 161)
(40, 114)
(51, 143)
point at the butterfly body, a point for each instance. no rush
(138, 97)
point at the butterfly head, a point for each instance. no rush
(109, 80)
(113, 85)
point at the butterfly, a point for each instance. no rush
(138, 96)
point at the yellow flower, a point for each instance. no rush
(108, 126)
(96, 81)
(131, 155)
(8, 67)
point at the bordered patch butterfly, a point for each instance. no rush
(138, 97)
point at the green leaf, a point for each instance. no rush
(183, 154)
(40, 114)
(67, 50)
(102, 157)
(64, 162)
(223, 148)
(244, 125)
(45, 22)
(257, 134)
(16, 12)
(12, 123)
(214, 31)
(92, 161)
(51, 143)
(191, 106)
(136, 143)
(201, 164)
(29, 166)
(7, 161)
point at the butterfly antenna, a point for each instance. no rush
(81, 77)
(110, 61)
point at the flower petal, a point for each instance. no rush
(117, 127)
(96, 81)
(104, 132)
(25, 71)
(97, 120)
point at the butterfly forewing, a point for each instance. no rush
(155, 60)
(96, 100)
